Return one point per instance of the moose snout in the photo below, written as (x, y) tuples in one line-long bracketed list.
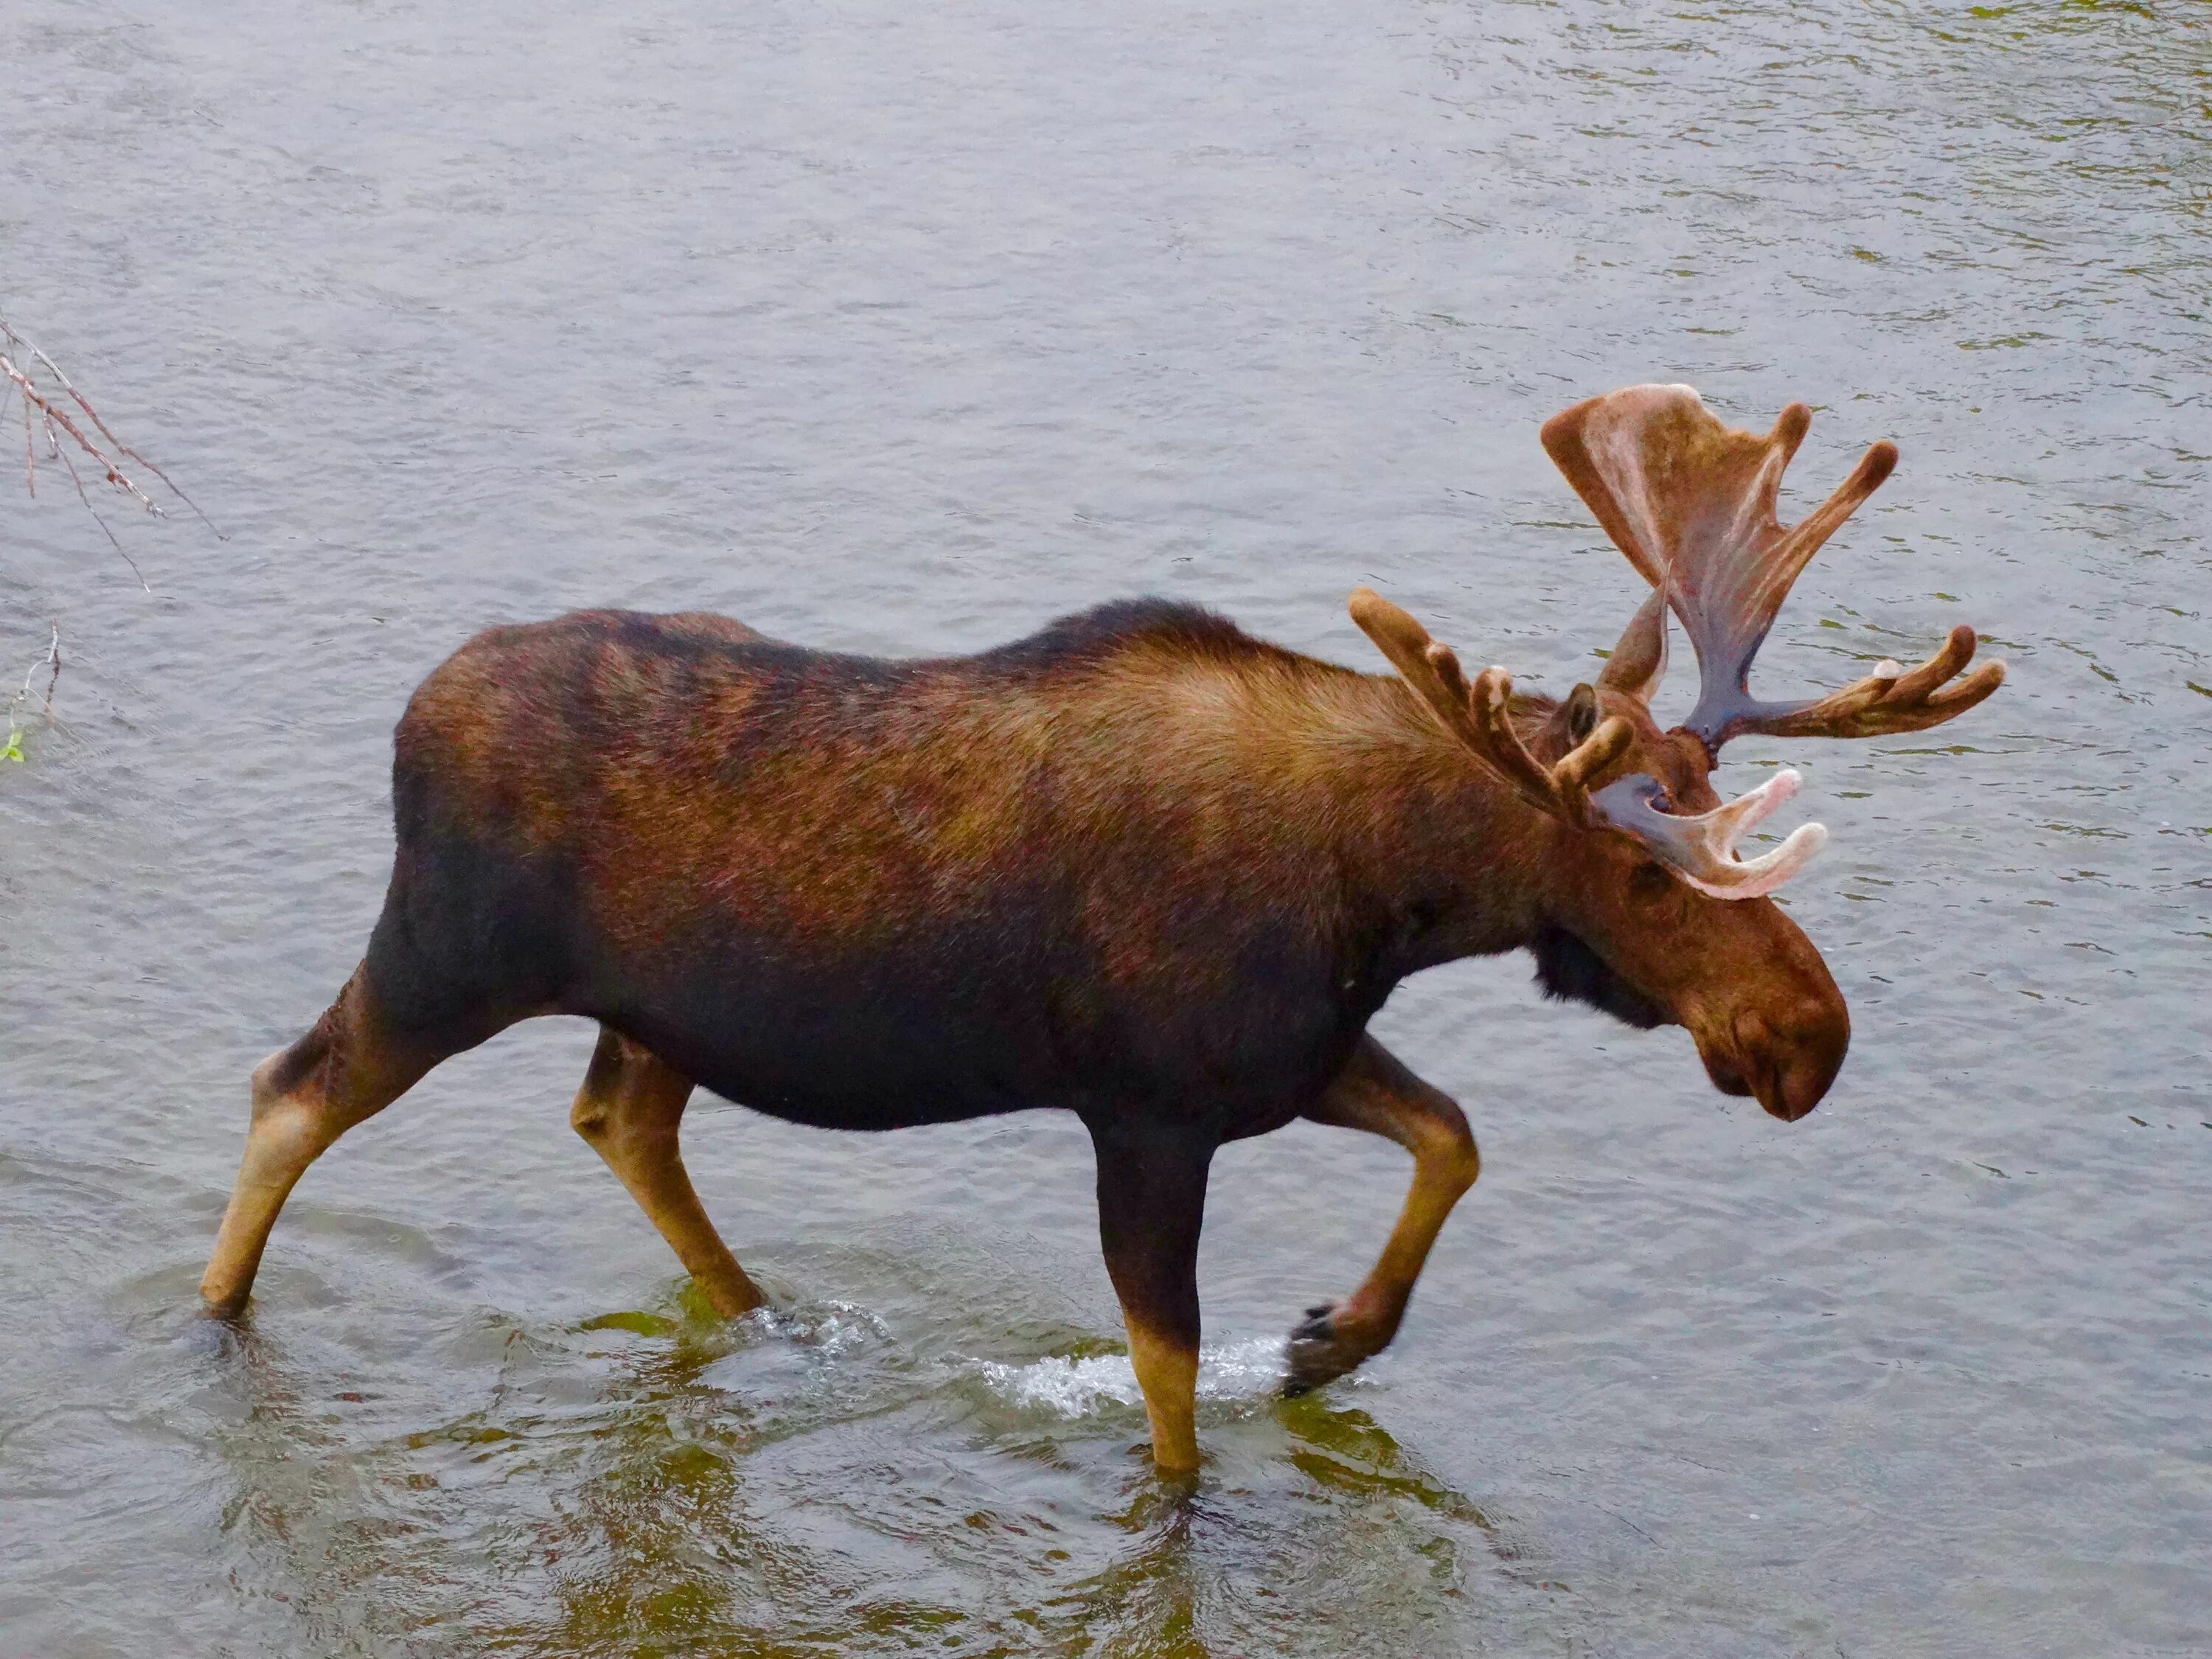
[(1787, 1064)]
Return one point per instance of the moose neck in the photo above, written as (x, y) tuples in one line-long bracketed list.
[(1439, 859)]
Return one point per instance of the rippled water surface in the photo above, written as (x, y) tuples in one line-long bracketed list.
[(904, 328)]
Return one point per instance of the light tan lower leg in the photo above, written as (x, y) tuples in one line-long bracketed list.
[(629, 1109), (345, 1070), (1375, 1093), (1167, 1371)]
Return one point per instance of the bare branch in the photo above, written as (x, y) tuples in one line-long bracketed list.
[(52, 417), (54, 660), (48, 407), (11, 745), (62, 456), (122, 449)]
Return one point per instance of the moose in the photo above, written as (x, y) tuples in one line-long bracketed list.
[(1139, 867)]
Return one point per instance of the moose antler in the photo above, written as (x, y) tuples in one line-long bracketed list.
[(1478, 715), (1561, 789), (1638, 662), (1701, 849), (1692, 504)]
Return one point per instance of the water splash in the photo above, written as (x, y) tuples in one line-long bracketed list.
[(832, 1329), (1076, 1387)]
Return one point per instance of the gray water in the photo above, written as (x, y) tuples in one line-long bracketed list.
[(903, 329)]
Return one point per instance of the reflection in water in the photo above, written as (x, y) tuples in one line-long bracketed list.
[(651, 1482)]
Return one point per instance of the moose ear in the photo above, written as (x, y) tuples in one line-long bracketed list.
[(1582, 714)]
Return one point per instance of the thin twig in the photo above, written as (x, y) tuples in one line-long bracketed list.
[(69, 386), (54, 658), (50, 659), (21, 362), (63, 457), (53, 418)]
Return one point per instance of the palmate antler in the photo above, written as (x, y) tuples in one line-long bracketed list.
[(1692, 503), (1699, 849)]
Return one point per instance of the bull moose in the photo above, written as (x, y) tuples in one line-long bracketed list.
[(1139, 865)]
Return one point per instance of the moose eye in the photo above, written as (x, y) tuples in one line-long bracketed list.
[(1662, 798)]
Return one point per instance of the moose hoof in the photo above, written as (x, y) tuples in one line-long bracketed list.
[(1330, 1340)]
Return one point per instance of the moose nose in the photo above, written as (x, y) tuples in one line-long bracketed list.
[(1798, 1088), (1790, 1071), (1787, 1064)]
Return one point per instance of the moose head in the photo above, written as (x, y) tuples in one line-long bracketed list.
[(1649, 913)]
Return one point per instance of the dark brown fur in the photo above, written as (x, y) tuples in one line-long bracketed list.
[(1139, 859)]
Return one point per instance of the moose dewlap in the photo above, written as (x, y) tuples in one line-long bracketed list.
[(1140, 866)]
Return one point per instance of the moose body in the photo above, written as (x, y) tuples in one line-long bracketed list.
[(864, 895), (1139, 867)]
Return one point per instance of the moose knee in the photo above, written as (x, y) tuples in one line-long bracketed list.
[(600, 1120), (591, 1119), (288, 1135), (629, 1100), (1447, 1145)]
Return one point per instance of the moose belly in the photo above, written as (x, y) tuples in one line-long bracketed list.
[(968, 1026)]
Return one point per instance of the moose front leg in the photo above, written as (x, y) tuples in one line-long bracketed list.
[(1152, 1203), (1375, 1093)]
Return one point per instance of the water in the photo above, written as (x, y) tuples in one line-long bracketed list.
[(903, 329)]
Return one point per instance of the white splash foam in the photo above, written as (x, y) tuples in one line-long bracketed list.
[(832, 1327), (1072, 1387), (1076, 1387)]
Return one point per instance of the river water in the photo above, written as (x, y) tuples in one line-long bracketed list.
[(903, 329)]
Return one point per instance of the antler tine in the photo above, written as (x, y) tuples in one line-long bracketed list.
[(1701, 850), (1560, 789), (1479, 714), (1638, 662), (1406, 644), (1815, 527), (1958, 651), (1591, 756), (1497, 742), (1884, 704), (1459, 695)]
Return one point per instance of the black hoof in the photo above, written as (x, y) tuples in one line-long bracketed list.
[(1319, 1353)]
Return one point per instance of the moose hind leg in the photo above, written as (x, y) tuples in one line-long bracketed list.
[(630, 1109), (350, 1066), (1152, 1203), (1375, 1093)]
